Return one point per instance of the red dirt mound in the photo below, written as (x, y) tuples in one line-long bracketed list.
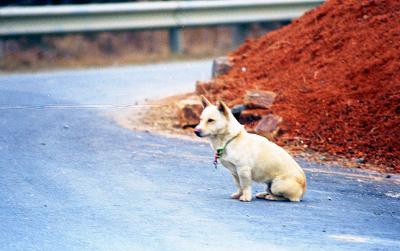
[(336, 71)]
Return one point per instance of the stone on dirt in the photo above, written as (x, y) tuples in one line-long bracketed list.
[(268, 126), (188, 112), (221, 66), (259, 99), (237, 110), (248, 116)]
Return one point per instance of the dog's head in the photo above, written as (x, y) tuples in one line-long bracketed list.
[(214, 119)]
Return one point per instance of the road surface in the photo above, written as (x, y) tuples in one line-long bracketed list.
[(72, 179)]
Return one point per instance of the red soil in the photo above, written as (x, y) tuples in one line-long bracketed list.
[(336, 71)]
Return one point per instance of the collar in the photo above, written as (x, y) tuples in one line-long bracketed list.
[(221, 150)]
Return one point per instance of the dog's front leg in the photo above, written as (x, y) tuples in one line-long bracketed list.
[(245, 183), (239, 192)]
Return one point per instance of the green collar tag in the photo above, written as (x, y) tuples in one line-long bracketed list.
[(221, 151)]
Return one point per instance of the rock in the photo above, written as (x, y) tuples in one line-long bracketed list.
[(237, 110), (188, 112), (259, 99), (268, 126), (221, 66), (248, 116)]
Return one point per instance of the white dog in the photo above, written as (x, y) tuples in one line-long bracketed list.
[(250, 157)]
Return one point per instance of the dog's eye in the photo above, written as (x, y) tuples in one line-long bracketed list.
[(210, 120)]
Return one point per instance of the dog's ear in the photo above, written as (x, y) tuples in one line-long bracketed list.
[(223, 108), (205, 101)]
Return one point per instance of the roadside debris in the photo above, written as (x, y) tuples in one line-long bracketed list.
[(336, 81), (221, 65), (188, 112), (268, 126), (259, 99)]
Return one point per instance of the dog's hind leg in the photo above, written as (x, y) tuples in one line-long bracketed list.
[(276, 193), (285, 189), (274, 197), (263, 194)]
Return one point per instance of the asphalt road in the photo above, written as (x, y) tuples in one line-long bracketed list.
[(72, 179)]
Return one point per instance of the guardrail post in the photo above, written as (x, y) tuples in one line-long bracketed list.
[(1, 48), (239, 34), (175, 40)]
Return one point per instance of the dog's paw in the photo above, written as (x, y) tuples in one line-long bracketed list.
[(273, 197), (261, 195), (245, 197), (236, 195)]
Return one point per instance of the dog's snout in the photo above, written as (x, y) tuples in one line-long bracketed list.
[(197, 131)]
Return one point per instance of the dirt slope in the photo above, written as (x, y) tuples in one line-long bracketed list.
[(336, 71)]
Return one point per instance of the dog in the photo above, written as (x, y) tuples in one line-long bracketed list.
[(250, 157)]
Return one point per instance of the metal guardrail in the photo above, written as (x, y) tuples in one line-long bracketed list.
[(146, 15)]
